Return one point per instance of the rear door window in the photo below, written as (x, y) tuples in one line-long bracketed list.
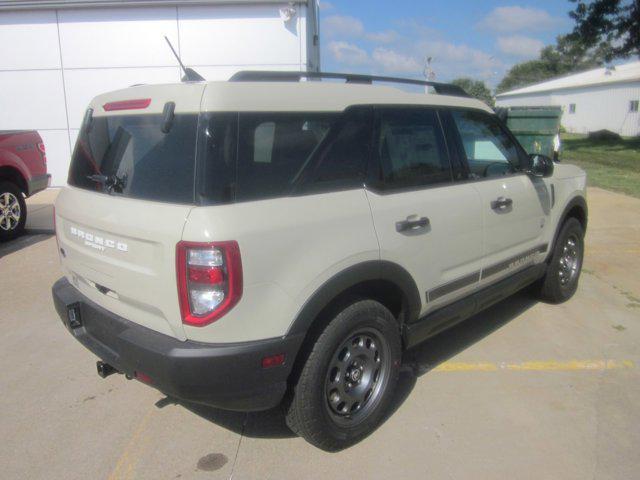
[(410, 149), (130, 156)]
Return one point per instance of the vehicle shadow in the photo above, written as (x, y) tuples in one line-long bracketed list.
[(417, 362), (436, 350), (39, 228), (30, 238), (266, 424)]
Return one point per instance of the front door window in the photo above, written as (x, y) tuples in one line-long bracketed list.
[(490, 152)]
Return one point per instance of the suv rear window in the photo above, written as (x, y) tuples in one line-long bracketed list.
[(255, 155), (273, 148), (130, 156)]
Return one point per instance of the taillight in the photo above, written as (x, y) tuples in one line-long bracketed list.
[(209, 280), (43, 152)]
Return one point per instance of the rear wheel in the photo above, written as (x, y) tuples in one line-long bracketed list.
[(347, 381), (563, 272), (13, 211)]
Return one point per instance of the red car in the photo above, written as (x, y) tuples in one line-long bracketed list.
[(23, 172)]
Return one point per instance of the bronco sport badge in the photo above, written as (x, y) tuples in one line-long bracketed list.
[(98, 242)]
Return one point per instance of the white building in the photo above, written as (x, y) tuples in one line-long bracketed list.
[(57, 55), (604, 98)]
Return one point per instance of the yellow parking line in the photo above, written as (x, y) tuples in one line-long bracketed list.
[(129, 458), (466, 367), (609, 250), (539, 366)]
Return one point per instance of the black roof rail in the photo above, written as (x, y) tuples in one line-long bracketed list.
[(282, 76)]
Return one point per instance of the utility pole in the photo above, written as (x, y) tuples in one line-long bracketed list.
[(429, 74)]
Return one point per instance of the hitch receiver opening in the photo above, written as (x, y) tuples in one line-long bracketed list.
[(104, 369)]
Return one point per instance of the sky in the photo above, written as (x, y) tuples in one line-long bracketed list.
[(480, 39)]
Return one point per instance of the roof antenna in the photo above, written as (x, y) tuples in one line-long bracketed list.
[(190, 75)]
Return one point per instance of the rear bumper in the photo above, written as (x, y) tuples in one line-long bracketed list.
[(38, 183), (228, 376)]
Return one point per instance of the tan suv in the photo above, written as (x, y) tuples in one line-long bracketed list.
[(269, 241)]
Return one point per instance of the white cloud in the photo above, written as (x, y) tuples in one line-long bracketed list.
[(517, 19), (520, 46), (388, 36), (403, 51), (342, 25), (451, 60), (325, 6), (392, 61), (348, 53)]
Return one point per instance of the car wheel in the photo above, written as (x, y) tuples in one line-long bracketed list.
[(347, 382), (561, 279), (13, 211)]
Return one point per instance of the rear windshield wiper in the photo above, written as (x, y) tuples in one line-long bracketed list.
[(111, 183)]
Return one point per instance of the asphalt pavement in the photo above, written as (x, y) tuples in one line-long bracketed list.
[(524, 390)]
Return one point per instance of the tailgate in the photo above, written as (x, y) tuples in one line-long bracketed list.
[(120, 252), (131, 189)]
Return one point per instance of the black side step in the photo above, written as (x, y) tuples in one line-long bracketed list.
[(446, 317)]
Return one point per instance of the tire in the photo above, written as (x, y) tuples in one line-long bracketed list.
[(13, 211), (346, 384), (561, 279)]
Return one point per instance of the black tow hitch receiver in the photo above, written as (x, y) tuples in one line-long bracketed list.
[(104, 369)]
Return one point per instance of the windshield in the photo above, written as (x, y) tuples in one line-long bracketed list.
[(130, 156)]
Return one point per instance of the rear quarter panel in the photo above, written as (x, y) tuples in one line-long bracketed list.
[(289, 247)]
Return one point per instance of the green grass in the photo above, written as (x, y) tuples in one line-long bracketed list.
[(613, 165)]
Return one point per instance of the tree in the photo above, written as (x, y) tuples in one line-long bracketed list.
[(611, 26), (604, 30), (566, 57), (475, 88)]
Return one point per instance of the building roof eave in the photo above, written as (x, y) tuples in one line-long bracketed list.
[(517, 93), (69, 4)]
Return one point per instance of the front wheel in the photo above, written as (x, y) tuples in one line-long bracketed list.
[(13, 211), (347, 382), (561, 280)]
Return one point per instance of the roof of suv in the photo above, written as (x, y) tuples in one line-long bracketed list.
[(274, 96)]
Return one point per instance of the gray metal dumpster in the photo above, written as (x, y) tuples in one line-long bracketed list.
[(534, 127)]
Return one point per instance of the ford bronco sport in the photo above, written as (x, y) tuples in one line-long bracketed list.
[(268, 241)]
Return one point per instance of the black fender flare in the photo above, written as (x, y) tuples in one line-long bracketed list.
[(351, 276), (578, 201)]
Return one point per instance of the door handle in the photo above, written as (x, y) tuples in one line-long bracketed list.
[(501, 203), (412, 222)]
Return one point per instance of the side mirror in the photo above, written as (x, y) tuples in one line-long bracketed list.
[(540, 165)]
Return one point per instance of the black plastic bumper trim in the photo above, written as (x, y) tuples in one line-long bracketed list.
[(228, 376)]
